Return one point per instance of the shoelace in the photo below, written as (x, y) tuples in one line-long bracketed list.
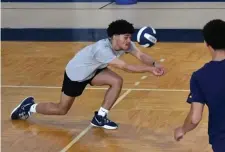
[(24, 115), (106, 120)]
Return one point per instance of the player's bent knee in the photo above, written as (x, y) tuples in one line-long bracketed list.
[(65, 104), (116, 81), (63, 111)]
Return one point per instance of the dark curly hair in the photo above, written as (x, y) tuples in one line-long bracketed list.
[(120, 27), (214, 34)]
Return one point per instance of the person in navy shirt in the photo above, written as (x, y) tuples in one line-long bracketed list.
[(207, 87)]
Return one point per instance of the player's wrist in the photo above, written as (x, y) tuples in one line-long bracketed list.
[(151, 69), (153, 63), (183, 130)]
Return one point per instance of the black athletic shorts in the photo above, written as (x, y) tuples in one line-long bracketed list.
[(75, 88)]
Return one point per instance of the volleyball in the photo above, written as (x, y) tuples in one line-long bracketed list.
[(147, 37)]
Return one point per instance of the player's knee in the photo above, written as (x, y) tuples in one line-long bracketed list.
[(65, 104), (63, 110), (117, 81)]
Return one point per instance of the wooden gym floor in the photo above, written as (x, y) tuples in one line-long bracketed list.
[(148, 110)]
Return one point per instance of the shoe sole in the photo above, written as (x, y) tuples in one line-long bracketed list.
[(18, 106), (105, 127)]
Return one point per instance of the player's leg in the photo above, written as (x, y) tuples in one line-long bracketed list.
[(115, 82), (70, 90), (28, 106), (50, 108)]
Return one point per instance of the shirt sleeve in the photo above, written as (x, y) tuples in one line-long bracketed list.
[(104, 55), (195, 94)]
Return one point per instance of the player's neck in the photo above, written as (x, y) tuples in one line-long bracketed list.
[(218, 55)]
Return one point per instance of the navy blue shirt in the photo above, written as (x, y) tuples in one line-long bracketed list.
[(207, 86)]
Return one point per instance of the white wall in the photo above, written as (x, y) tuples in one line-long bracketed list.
[(88, 15)]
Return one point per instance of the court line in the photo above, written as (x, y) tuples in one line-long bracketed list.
[(76, 139), (122, 97), (162, 60), (90, 126), (100, 88), (144, 77), (136, 83)]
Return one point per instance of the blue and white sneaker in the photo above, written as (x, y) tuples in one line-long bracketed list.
[(22, 111), (104, 122)]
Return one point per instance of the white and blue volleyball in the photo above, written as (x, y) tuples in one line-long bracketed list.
[(146, 36)]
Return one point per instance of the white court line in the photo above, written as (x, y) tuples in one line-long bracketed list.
[(93, 88), (162, 60), (121, 97), (144, 77), (41, 87), (136, 83), (76, 139), (90, 126)]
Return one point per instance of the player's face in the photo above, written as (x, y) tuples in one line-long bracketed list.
[(124, 41)]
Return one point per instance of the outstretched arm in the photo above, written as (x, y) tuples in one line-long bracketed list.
[(134, 68), (143, 57), (146, 59)]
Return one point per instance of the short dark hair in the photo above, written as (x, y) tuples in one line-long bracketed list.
[(120, 27), (214, 34)]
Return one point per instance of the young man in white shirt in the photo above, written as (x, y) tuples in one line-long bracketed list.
[(89, 66)]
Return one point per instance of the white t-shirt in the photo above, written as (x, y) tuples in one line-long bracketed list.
[(95, 56)]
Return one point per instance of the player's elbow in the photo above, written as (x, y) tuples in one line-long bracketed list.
[(122, 66), (195, 119), (142, 56), (118, 64), (125, 67)]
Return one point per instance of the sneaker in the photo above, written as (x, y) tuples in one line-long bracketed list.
[(22, 111), (104, 122)]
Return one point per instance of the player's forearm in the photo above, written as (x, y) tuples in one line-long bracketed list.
[(146, 59), (137, 68), (189, 124)]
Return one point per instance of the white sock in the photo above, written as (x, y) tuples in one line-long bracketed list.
[(102, 112), (33, 108)]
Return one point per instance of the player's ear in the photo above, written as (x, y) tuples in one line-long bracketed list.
[(210, 48), (114, 36), (206, 44)]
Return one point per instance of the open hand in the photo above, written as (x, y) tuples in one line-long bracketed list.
[(158, 71), (159, 66)]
